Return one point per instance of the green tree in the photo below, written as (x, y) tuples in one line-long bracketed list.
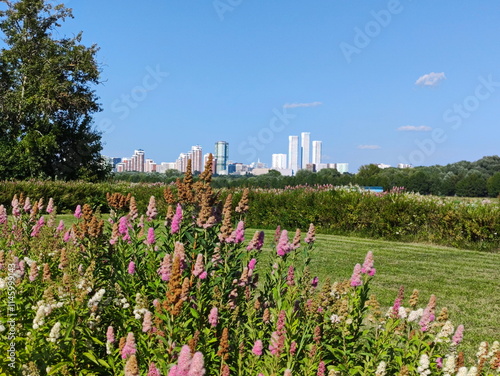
[(46, 97), (472, 185), (493, 185)]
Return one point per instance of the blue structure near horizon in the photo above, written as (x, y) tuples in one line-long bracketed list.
[(374, 189)]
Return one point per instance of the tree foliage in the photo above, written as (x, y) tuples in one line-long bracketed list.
[(46, 96)]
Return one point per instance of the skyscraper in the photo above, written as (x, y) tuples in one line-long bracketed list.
[(305, 148), (293, 153), (279, 161), (197, 156), (221, 154), (316, 152)]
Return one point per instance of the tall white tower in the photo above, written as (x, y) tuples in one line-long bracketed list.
[(279, 161), (316, 152), (305, 147), (293, 153)]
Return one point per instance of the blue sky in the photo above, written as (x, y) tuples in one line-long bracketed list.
[(377, 81)]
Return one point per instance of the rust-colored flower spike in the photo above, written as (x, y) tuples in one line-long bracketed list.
[(374, 305), (414, 299), (95, 227), (266, 316), (21, 199), (174, 288), (63, 259), (206, 175), (87, 213), (460, 361), (226, 228), (193, 342), (188, 176), (224, 345), (443, 315), (186, 285), (2, 257), (118, 201), (243, 204), (34, 212), (168, 195), (404, 371), (296, 239), (205, 210), (121, 345), (495, 360), (133, 212), (46, 272), (131, 367)]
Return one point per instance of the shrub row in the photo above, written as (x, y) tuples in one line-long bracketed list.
[(393, 215)]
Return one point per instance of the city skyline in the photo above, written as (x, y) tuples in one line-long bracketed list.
[(379, 82)]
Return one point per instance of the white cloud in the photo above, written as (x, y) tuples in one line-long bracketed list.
[(295, 105), (415, 128), (370, 147), (430, 79)]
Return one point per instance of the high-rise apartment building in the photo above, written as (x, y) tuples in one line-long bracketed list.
[(293, 153), (316, 152), (197, 158), (222, 155), (139, 160), (305, 149), (279, 161)]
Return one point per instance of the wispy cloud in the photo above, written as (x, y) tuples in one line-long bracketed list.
[(415, 128), (430, 79), (370, 147), (295, 105)]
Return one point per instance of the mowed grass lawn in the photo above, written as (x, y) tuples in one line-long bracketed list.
[(466, 282)]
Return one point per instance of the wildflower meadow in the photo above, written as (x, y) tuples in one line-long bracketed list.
[(186, 292)]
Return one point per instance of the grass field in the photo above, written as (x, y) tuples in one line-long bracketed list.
[(466, 282)]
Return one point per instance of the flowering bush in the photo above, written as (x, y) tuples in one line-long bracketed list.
[(188, 294)]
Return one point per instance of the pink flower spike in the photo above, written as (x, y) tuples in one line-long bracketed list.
[(203, 275), (129, 348), (110, 335), (153, 371), (3, 215), (257, 348), (151, 236), (251, 264), (458, 336), (198, 266), (368, 264), (184, 361), (356, 276), (27, 205), (213, 317), (67, 236), (61, 226), (78, 212), (50, 206), (176, 220), (197, 364), (131, 267), (240, 233), (151, 213), (283, 245)]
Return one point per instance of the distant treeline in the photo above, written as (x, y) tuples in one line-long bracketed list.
[(465, 179)]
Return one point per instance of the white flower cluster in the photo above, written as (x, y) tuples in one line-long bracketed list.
[(139, 309), (415, 315), (96, 298), (381, 369), (445, 333), (54, 332), (423, 365), (449, 365), (3, 284), (42, 311), (83, 285)]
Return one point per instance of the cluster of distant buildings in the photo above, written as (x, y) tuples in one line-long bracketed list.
[(305, 155)]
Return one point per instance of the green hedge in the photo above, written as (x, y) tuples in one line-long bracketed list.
[(393, 216)]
